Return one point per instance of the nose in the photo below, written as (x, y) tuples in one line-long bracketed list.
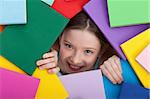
[(76, 58)]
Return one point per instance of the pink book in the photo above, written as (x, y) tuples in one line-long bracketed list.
[(144, 58), (17, 86)]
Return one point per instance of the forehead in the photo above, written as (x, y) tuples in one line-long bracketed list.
[(82, 38)]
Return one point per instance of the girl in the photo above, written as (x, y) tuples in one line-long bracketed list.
[(80, 47)]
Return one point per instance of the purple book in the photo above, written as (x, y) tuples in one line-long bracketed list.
[(97, 10), (84, 85)]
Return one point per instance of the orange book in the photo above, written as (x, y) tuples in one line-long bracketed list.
[(1, 28)]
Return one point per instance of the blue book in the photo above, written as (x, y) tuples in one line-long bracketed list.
[(112, 91), (131, 91), (12, 12)]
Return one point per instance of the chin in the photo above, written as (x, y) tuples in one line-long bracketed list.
[(71, 72)]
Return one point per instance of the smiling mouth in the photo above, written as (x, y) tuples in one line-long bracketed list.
[(74, 68)]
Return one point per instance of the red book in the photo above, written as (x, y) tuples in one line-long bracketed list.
[(69, 8)]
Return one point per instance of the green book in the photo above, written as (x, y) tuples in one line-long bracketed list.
[(128, 12), (23, 45)]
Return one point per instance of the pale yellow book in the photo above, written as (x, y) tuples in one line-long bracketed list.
[(4, 63)]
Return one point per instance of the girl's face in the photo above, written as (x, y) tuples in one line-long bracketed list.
[(78, 51)]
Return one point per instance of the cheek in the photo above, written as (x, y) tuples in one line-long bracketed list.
[(90, 62)]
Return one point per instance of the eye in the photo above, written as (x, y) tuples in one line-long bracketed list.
[(68, 45), (88, 52)]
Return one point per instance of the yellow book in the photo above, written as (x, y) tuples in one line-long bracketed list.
[(4, 63), (50, 86), (132, 48)]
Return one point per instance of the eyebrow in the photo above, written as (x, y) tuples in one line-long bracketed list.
[(89, 48), (67, 42)]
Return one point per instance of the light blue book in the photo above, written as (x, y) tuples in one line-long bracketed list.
[(13, 12)]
